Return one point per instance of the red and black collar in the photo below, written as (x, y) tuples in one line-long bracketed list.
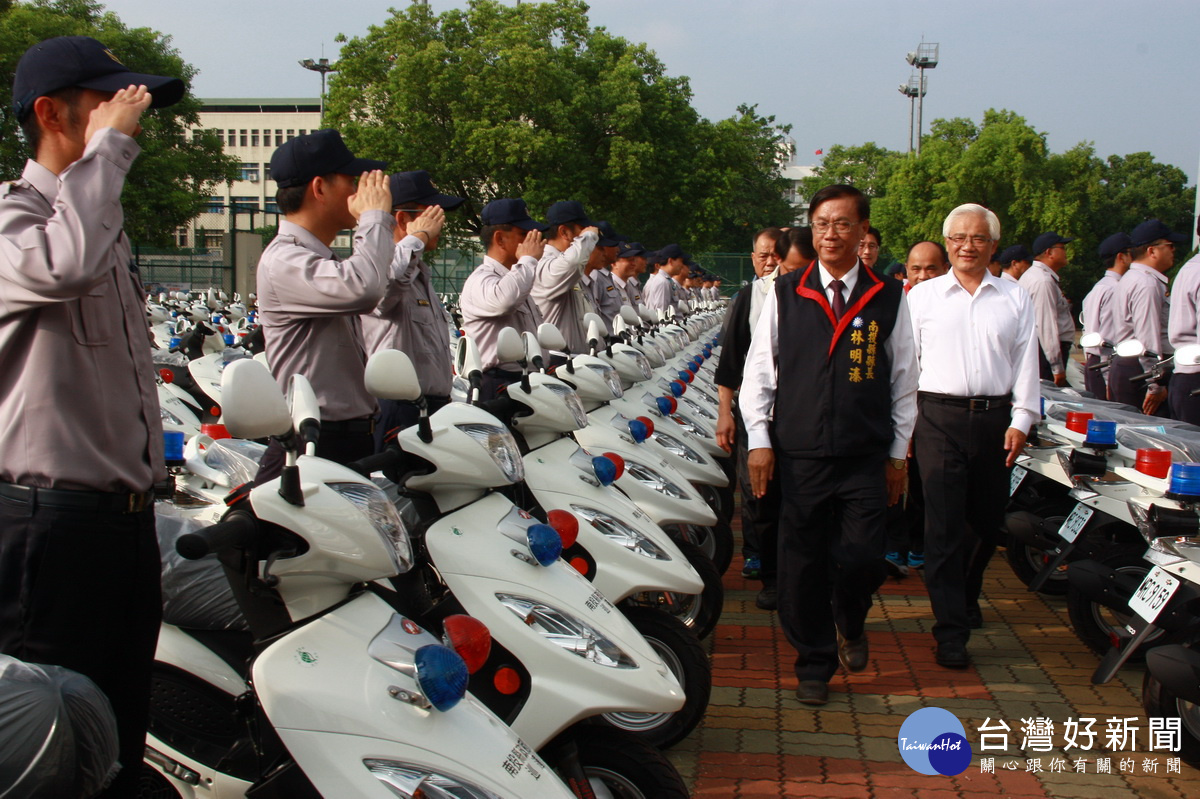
[(839, 325)]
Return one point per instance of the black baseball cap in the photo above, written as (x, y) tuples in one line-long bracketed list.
[(1117, 242), (1016, 252), (82, 61), (1153, 230), (654, 258), (321, 152), (671, 251), (416, 188), (567, 212), (631, 249), (895, 268), (508, 212), (608, 236), (1048, 240)]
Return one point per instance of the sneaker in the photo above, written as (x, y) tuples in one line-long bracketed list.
[(895, 565), (752, 570), (916, 560)]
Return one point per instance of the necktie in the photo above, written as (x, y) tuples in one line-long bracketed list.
[(839, 303)]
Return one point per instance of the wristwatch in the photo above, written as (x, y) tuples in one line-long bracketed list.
[(899, 464)]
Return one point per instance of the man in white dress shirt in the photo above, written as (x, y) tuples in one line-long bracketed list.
[(978, 396), (834, 341)]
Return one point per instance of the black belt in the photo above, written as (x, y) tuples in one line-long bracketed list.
[(502, 374), (970, 403), (349, 426), (91, 501)]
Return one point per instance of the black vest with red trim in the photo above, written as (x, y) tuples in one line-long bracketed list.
[(834, 396)]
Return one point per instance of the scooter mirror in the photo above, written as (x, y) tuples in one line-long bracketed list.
[(589, 318), (466, 357), (252, 404), (1131, 348), (595, 332), (549, 337), (619, 326), (630, 315), (303, 402), (510, 346), (390, 375), (533, 351), (647, 314), (1091, 340), (1188, 355)]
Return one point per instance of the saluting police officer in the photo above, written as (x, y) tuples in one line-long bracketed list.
[(570, 239), (606, 297), (309, 300), (410, 317), (81, 445)]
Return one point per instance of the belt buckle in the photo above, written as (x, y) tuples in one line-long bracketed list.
[(974, 404), (135, 503)]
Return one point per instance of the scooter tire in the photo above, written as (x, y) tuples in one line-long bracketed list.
[(683, 655), (701, 612), (1093, 622), (153, 785), (1160, 702), (625, 767), (715, 542), (1026, 561), (720, 499)]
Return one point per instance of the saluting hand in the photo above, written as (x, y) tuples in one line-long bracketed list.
[(429, 222), (373, 194), (121, 112), (533, 245)]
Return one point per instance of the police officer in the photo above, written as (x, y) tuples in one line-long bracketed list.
[(498, 293), (309, 300), (1056, 328), (1098, 310), (1184, 325), (657, 294), (606, 297), (81, 445), (570, 238), (631, 261), (410, 317)]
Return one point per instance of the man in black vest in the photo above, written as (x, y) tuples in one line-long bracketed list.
[(835, 340)]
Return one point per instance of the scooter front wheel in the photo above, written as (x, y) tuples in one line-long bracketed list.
[(683, 655), (1097, 624), (699, 612), (715, 542), (619, 766), (1160, 702)]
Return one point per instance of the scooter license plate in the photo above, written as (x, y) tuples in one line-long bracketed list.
[(1073, 526), (1018, 477), (1154, 592)]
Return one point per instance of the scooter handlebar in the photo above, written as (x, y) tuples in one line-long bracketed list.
[(377, 462), (236, 530)]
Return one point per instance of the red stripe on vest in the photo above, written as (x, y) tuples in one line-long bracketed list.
[(819, 297)]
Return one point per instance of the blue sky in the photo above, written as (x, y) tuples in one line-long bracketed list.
[(1120, 74)]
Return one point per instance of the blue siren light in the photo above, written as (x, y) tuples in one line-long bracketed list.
[(677, 388), (545, 544), (664, 405), (1101, 434), (173, 446), (638, 429), (441, 675), (606, 470), (1185, 480)]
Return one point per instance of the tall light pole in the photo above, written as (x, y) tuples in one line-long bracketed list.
[(323, 66), (923, 58), (912, 90)]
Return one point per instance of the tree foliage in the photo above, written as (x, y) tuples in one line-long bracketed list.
[(175, 172), (530, 101), (1004, 164)]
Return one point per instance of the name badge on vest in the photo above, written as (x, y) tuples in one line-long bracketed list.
[(608, 288), (423, 302), (864, 349)]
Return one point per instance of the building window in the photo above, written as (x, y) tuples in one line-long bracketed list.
[(254, 138), (278, 137), (245, 203), (232, 140), (271, 208), (243, 138), (304, 133), (213, 240), (181, 236), (249, 172), (215, 205), (291, 134)]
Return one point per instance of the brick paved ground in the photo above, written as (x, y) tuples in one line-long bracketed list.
[(758, 741)]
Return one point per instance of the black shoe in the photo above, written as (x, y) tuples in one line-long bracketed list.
[(853, 654), (812, 692), (768, 598), (953, 655), (974, 617)]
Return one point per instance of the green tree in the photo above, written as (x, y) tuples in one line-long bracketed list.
[(530, 101), (867, 167), (176, 170)]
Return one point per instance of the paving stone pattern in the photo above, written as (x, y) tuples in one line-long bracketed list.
[(758, 741)]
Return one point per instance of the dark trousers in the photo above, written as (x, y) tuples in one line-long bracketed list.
[(1096, 380), (335, 445), (760, 517), (493, 380), (961, 455), (831, 530), (1044, 365), (81, 590), (396, 415), (1184, 406), (906, 519), (1120, 389)]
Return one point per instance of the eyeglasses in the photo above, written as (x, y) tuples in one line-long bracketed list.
[(1170, 244), (866, 245), (840, 226), (959, 239)]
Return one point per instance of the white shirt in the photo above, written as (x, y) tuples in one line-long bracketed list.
[(1051, 312), (981, 345), (657, 294), (1098, 313), (760, 378), (1184, 323), (759, 289)]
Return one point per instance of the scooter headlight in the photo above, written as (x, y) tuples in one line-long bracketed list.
[(699, 409), (642, 362), (570, 398), (678, 448), (690, 426), (501, 446), (412, 781), (648, 477), (571, 633), (622, 533), (376, 506), (609, 375)]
